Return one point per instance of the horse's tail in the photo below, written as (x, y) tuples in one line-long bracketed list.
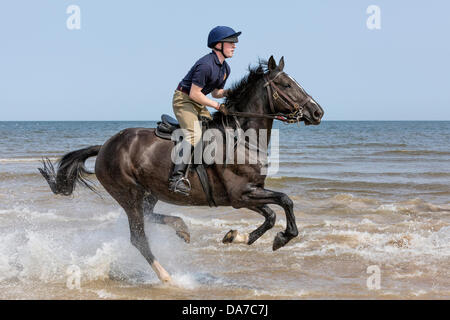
[(71, 170)]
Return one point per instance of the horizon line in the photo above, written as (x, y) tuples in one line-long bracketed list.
[(160, 120)]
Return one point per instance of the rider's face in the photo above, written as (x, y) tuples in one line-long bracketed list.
[(228, 48)]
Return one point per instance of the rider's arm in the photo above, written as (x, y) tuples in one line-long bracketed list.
[(219, 93), (197, 95)]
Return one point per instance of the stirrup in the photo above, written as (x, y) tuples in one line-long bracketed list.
[(175, 189)]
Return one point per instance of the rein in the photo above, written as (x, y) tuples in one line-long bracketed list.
[(276, 95)]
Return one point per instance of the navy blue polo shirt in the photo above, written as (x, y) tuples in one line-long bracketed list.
[(207, 73)]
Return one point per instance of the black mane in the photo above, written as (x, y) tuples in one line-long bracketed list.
[(241, 91)]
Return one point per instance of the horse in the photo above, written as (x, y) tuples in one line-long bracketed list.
[(134, 165)]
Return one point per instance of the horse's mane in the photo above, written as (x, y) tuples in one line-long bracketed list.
[(241, 91)]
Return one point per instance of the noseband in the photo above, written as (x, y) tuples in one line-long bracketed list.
[(276, 95)]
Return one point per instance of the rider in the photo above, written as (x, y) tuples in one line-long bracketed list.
[(208, 75)]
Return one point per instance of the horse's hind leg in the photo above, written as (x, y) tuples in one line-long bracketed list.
[(132, 203), (233, 236), (176, 223)]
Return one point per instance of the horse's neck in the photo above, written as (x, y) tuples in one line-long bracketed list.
[(257, 105)]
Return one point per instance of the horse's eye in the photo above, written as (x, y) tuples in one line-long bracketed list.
[(287, 85)]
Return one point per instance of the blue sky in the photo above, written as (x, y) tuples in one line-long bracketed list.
[(128, 56)]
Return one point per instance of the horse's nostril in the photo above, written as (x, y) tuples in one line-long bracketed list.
[(317, 114)]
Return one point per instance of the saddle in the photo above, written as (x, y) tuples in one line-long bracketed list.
[(166, 126), (164, 130)]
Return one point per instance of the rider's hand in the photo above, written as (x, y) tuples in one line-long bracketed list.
[(223, 109)]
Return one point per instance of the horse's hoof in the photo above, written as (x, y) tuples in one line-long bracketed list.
[(167, 280), (162, 274), (280, 240), (184, 235), (230, 236)]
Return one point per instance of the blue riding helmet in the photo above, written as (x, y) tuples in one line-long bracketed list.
[(222, 33)]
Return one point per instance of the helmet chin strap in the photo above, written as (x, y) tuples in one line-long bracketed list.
[(221, 50)]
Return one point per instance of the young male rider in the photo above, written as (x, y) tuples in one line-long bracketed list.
[(208, 75)]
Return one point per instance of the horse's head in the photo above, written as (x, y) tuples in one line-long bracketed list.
[(288, 99)]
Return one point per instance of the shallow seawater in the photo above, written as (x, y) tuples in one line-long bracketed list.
[(365, 194)]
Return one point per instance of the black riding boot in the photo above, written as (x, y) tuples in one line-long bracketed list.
[(178, 181)]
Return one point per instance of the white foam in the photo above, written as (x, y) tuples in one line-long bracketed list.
[(40, 258), (381, 247), (185, 281), (103, 294), (110, 216), (419, 293), (387, 207), (7, 257), (281, 292), (37, 250), (415, 274), (220, 223), (98, 266), (413, 205), (336, 223), (367, 221), (52, 215)]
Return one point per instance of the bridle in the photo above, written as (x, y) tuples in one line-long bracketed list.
[(276, 95)]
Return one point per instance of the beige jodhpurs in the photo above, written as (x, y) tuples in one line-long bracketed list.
[(187, 112)]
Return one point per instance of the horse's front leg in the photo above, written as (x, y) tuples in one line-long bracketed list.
[(259, 197), (233, 236)]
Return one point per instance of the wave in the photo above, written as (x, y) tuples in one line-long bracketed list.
[(33, 216), (437, 174), (291, 179), (412, 153), (416, 206), (13, 160), (382, 246), (355, 185), (4, 176), (304, 163), (351, 145), (416, 174), (16, 176), (351, 204)]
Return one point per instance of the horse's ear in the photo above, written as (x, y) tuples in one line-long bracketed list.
[(271, 63), (281, 64)]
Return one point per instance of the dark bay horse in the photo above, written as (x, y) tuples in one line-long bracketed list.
[(134, 165)]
